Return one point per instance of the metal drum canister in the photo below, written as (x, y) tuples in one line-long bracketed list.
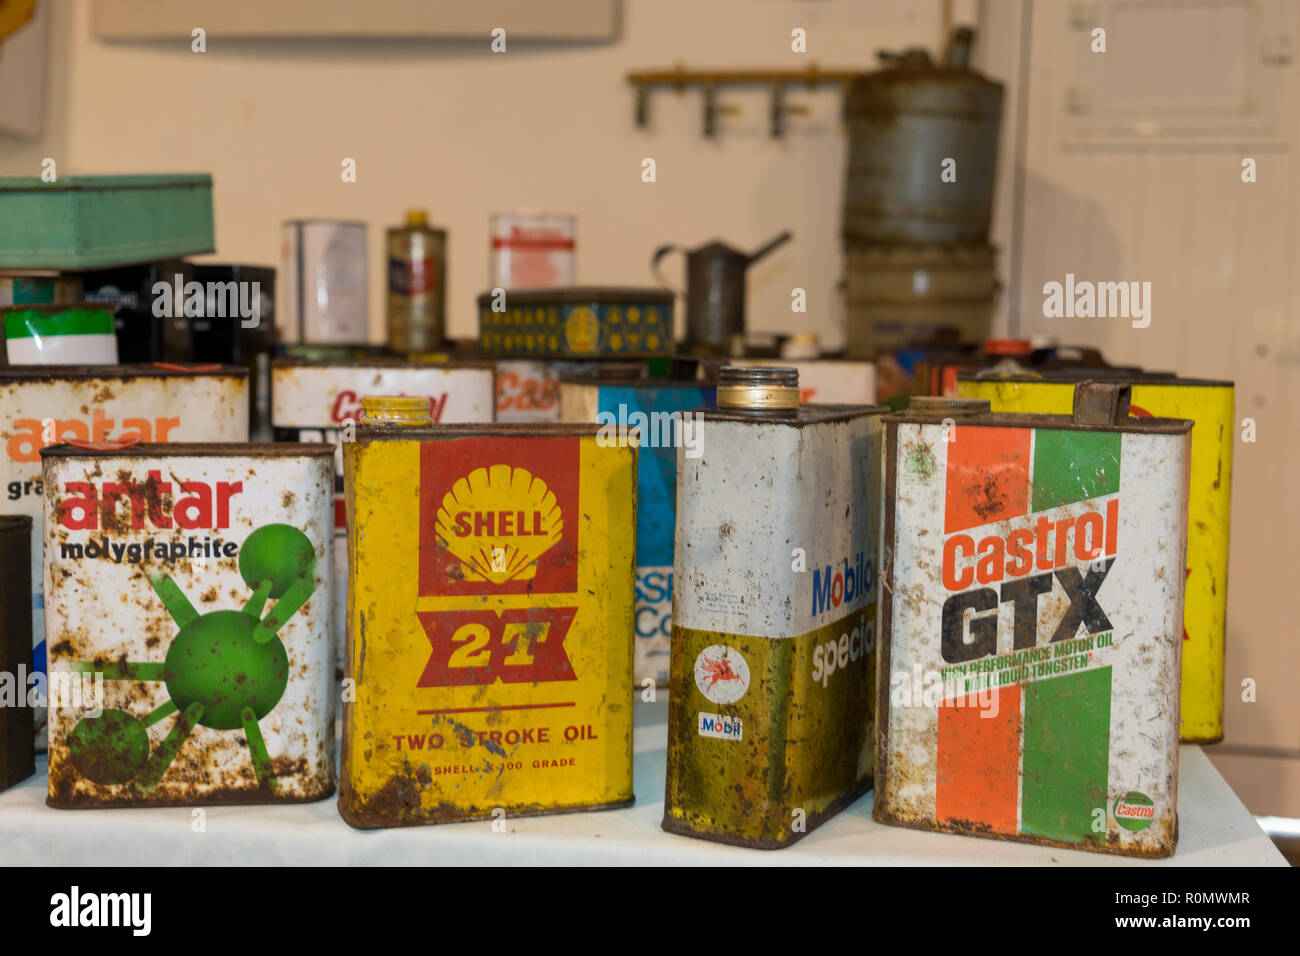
[(315, 400), (904, 123), (1210, 405), (1031, 623), (17, 750), (906, 296), (490, 620), (45, 405), (772, 701), (187, 615), (667, 415)]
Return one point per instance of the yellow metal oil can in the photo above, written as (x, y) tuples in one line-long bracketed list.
[(1210, 405), (772, 673), (490, 624), (1031, 617)]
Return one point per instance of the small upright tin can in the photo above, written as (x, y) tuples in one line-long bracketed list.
[(667, 415), (1031, 623), (187, 616), (1210, 405), (324, 282), (489, 619), (17, 748), (417, 285), (772, 680)]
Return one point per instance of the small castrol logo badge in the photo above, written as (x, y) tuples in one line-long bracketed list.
[(721, 674), (1136, 811)]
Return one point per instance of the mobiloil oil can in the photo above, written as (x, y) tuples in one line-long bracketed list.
[(1031, 623), (1210, 405), (665, 417), (771, 708), (489, 619), (187, 615)]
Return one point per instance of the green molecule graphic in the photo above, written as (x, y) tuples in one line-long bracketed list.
[(224, 670)]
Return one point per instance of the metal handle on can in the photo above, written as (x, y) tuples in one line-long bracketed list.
[(654, 266), (1101, 403)]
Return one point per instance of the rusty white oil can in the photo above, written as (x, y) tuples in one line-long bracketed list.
[(187, 616), (314, 401), (42, 406), (771, 709), (1031, 623)]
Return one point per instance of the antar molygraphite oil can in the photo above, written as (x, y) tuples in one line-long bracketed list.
[(1031, 623), (17, 750), (489, 619), (1210, 405), (666, 415), (315, 401), (42, 406), (770, 728), (187, 615)]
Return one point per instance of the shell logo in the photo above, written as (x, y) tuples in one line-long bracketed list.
[(581, 330), (498, 521)]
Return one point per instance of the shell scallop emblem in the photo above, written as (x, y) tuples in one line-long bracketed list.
[(498, 521)]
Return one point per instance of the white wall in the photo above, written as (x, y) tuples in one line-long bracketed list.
[(1221, 257), (465, 133)]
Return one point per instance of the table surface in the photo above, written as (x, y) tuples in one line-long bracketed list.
[(1214, 829)]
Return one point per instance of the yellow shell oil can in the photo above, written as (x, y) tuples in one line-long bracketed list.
[(490, 621), (772, 674), (1031, 623), (187, 615), (45, 405), (1210, 405)]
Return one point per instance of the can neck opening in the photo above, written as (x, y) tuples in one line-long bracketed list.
[(395, 410), (762, 389)]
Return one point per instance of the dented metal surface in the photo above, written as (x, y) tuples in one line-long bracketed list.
[(1210, 405), (771, 714), (1031, 618), (43, 405), (314, 401), (188, 605), (489, 623)]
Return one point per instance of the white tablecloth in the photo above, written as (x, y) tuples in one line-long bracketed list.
[(1215, 829)]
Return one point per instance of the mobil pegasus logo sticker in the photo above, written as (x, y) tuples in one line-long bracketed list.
[(499, 515)]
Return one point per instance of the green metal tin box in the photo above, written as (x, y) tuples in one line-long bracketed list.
[(87, 222)]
